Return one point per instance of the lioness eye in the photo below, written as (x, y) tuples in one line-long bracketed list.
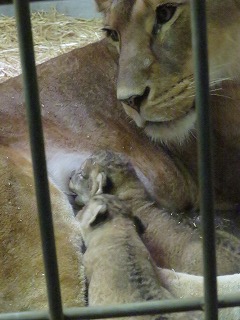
[(111, 34), (165, 12)]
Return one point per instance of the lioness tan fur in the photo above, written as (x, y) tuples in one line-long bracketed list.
[(146, 62)]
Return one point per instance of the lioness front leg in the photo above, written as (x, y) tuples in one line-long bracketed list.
[(173, 243)]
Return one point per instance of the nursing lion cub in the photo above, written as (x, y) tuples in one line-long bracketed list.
[(131, 93)]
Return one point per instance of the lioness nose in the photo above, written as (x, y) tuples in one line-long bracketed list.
[(135, 101)]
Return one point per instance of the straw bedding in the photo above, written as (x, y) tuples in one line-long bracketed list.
[(53, 33)]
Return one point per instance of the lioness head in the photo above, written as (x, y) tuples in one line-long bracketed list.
[(155, 76)]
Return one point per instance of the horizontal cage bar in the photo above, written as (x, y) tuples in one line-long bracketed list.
[(143, 308)]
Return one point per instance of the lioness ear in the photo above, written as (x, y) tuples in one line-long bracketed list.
[(102, 5)]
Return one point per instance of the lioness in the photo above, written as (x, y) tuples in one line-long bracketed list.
[(144, 66)]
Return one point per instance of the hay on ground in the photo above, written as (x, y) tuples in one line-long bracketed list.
[(53, 33)]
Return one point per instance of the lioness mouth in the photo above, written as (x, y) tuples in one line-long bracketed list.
[(175, 130), (172, 121)]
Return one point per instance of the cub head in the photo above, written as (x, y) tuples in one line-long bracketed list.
[(99, 211), (106, 209), (155, 73)]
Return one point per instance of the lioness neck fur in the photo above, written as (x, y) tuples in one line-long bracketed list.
[(81, 114)]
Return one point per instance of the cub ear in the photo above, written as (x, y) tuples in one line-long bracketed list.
[(99, 214), (102, 5)]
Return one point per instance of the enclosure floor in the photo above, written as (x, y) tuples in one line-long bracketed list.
[(54, 34)]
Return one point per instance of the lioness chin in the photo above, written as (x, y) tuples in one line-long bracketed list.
[(144, 69)]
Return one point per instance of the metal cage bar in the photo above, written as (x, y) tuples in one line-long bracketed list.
[(205, 162), (38, 157), (210, 302)]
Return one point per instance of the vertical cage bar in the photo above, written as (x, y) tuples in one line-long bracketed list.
[(38, 157), (199, 41)]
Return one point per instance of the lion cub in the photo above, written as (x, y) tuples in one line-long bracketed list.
[(173, 241), (117, 264)]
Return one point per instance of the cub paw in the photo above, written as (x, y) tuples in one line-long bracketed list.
[(87, 181)]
